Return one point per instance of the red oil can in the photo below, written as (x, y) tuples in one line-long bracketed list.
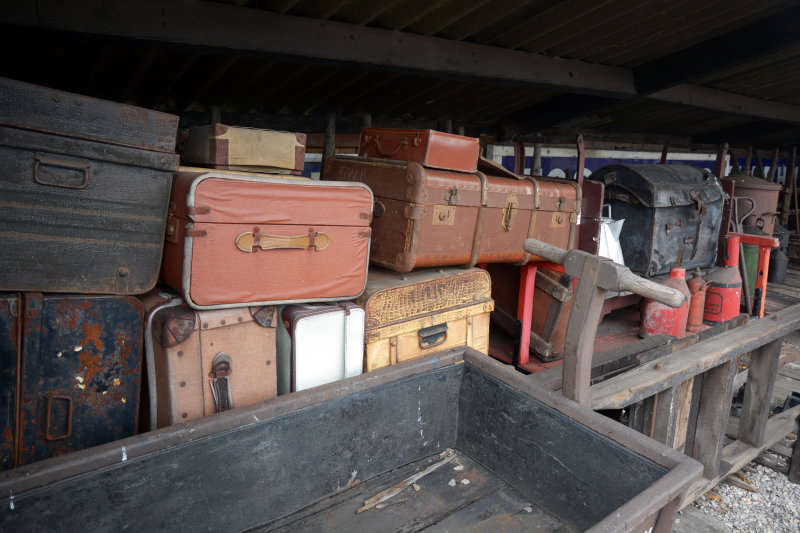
[(725, 286), (697, 288), (658, 318)]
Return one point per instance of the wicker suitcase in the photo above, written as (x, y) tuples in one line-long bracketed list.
[(427, 217), (250, 149), (236, 240), (84, 186), (69, 373), (204, 362), (318, 344), (425, 311)]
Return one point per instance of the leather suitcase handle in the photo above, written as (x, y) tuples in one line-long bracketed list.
[(404, 143), (313, 240)]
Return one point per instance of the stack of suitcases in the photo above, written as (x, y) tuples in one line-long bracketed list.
[(265, 284)]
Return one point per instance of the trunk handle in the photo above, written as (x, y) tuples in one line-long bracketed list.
[(51, 398), (81, 166), (313, 240), (432, 336)]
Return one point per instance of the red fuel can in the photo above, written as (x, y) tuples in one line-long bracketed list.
[(725, 286), (658, 318), (697, 288)]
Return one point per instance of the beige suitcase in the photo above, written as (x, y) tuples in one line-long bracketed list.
[(203, 362), (424, 311), (250, 149)]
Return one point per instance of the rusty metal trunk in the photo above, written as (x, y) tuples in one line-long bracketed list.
[(70, 373)]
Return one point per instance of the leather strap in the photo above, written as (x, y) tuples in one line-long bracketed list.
[(532, 225), (476, 237), (220, 381), (314, 240)]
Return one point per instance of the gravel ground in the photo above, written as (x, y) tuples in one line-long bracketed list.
[(775, 508)]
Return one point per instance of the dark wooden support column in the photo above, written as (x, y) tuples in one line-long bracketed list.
[(758, 392), (712, 416)]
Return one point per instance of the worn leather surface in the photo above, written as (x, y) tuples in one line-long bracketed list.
[(430, 148)]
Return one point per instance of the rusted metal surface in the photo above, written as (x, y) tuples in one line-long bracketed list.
[(77, 366)]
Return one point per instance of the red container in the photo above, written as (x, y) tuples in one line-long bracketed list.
[(697, 288), (725, 286), (658, 318)]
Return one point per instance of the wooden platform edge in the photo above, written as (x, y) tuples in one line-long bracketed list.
[(737, 454)]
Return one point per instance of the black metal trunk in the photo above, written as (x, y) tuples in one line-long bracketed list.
[(69, 371), (672, 214), (84, 187)]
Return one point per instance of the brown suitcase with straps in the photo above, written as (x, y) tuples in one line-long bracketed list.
[(429, 217)]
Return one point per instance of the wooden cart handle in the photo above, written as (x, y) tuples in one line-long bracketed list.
[(617, 277), (313, 240)]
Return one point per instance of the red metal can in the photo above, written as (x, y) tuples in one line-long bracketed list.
[(725, 286), (697, 288), (658, 318)]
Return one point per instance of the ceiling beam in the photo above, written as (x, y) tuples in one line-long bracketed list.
[(239, 30), (246, 31), (760, 38)]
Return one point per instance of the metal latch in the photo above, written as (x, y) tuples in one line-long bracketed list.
[(432, 336), (451, 197), (560, 203)]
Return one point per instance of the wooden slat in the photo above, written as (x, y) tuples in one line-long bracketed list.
[(675, 368), (712, 416), (758, 392)]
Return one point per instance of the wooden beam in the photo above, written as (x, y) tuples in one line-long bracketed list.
[(757, 39), (246, 31), (239, 30), (758, 392), (670, 370), (712, 416)]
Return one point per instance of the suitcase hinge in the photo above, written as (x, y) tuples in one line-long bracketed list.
[(220, 381)]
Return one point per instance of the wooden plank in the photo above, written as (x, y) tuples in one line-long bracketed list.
[(693, 520), (794, 463), (675, 368), (737, 454), (666, 414), (712, 416), (758, 392), (246, 31), (761, 37), (791, 371)]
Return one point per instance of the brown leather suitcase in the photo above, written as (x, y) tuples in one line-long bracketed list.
[(235, 240), (250, 149), (425, 311), (552, 302), (428, 217), (430, 148), (204, 362)]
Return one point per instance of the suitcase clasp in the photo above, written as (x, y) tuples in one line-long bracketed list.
[(432, 336), (510, 211), (451, 197)]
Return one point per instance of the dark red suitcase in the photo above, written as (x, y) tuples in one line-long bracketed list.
[(69, 372), (430, 148)]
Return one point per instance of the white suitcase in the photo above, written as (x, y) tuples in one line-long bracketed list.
[(318, 344)]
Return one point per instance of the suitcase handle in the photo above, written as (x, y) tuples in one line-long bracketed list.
[(313, 240), (432, 336), (80, 166), (52, 398), (404, 143)]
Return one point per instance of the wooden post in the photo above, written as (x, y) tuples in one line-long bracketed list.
[(773, 166), (788, 188), (665, 152), (722, 155), (747, 160), (712, 416), (672, 415), (367, 120), (216, 114), (794, 465), (587, 307), (330, 142), (758, 393)]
